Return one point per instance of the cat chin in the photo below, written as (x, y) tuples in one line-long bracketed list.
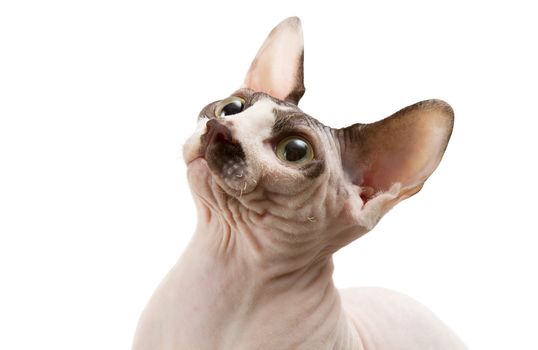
[(202, 178)]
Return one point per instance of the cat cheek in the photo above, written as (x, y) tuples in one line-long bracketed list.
[(191, 149)]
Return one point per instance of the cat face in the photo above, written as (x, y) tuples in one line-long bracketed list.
[(258, 150), (252, 139)]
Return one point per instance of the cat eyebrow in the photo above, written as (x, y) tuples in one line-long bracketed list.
[(208, 111), (288, 122)]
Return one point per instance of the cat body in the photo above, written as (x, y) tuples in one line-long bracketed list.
[(277, 193)]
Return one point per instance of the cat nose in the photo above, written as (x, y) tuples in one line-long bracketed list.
[(217, 132)]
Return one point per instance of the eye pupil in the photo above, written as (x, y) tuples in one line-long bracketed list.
[(295, 150), (231, 108)]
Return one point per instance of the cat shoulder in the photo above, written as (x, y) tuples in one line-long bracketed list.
[(385, 319)]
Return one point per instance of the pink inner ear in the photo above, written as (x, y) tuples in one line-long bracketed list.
[(277, 67), (406, 159), (404, 148), (276, 80)]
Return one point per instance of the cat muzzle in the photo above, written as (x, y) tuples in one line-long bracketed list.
[(221, 150)]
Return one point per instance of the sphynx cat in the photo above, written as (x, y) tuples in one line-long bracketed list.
[(277, 193)]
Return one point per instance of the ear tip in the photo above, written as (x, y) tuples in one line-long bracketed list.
[(293, 20), (441, 108), (436, 104), (444, 106), (293, 24)]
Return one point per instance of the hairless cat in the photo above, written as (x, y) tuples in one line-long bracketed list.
[(277, 193)]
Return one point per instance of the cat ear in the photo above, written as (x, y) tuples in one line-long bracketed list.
[(277, 68), (397, 154)]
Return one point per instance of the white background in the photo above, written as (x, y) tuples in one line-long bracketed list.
[(96, 99)]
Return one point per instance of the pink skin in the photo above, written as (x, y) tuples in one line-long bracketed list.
[(257, 273)]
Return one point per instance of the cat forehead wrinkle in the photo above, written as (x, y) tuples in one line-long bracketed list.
[(292, 118), (287, 121)]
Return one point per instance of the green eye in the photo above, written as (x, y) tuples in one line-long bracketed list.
[(294, 150), (230, 106)]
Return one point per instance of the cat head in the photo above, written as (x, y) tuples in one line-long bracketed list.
[(257, 152)]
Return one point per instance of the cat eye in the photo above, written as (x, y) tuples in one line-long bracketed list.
[(295, 150), (229, 106)]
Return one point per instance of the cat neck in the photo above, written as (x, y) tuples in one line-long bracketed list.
[(227, 298), (247, 301)]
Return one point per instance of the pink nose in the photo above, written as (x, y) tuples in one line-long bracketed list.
[(217, 132)]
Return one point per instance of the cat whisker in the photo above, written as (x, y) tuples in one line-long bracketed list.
[(243, 189)]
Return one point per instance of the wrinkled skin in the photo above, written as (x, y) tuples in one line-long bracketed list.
[(257, 273)]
